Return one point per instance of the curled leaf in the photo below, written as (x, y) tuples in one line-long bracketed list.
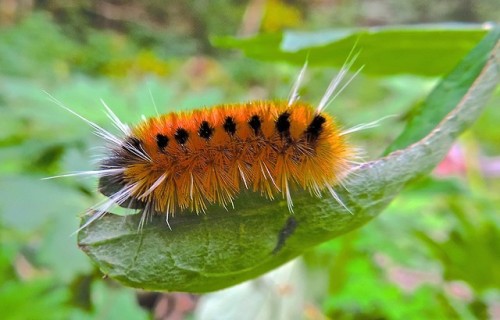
[(222, 248)]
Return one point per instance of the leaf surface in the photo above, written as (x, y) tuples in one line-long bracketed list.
[(222, 248)]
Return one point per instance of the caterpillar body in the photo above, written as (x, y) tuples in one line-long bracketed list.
[(186, 161)]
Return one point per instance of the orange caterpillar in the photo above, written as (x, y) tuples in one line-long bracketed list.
[(185, 161), (206, 156)]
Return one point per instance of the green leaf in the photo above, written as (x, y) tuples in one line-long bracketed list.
[(442, 99), (222, 248), (22, 300), (431, 50), (470, 250), (24, 194)]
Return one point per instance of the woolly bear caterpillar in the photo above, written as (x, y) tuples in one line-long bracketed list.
[(186, 161)]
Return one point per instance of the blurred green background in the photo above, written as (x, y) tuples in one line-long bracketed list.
[(434, 253)]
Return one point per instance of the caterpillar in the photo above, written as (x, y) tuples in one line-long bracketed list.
[(186, 161)]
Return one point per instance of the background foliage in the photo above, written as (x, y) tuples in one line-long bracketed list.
[(431, 254)]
